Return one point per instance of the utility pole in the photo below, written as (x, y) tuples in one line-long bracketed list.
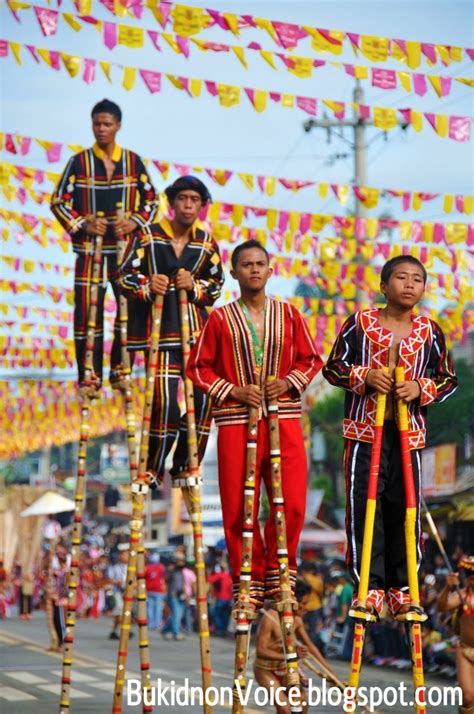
[(358, 146)]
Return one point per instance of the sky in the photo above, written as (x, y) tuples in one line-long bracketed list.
[(39, 102)]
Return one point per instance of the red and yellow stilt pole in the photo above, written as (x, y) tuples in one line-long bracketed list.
[(415, 616), (88, 393), (191, 488), (360, 612), (286, 604), (244, 610)]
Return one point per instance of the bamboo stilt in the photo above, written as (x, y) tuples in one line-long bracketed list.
[(89, 392), (244, 611), (191, 488), (136, 542), (286, 604)]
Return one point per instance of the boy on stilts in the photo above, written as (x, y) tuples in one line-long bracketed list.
[(370, 345)]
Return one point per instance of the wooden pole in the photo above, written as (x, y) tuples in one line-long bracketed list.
[(191, 486), (136, 539), (286, 604), (88, 393), (244, 610)]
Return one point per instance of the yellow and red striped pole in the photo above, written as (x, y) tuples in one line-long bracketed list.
[(415, 616), (360, 613)]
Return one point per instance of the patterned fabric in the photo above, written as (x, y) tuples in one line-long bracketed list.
[(364, 344), (224, 357), (375, 600), (84, 190), (166, 420), (82, 284), (151, 252), (396, 599), (388, 567)]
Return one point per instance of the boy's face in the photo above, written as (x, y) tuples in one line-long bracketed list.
[(252, 270), (405, 287), (303, 605)]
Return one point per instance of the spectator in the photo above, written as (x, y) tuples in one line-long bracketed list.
[(221, 584), (156, 590)]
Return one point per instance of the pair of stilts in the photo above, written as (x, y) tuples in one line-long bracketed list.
[(244, 610), (135, 578), (415, 615)]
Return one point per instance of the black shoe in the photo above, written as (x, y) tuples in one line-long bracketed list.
[(113, 636)]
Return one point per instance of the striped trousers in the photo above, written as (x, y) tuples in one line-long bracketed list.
[(388, 567), (167, 421)]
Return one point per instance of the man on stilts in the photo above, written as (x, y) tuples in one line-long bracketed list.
[(167, 257), (104, 191), (243, 344)]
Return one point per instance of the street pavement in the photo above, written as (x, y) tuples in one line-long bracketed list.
[(30, 676)]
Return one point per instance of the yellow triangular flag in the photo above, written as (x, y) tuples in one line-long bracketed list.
[(468, 202), (374, 48), (72, 22), (323, 190), (413, 54), (465, 80), (268, 57), (233, 22), (15, 48), (71, 63), (416, 120), (287, 100), (270, 185), (444, 53), (105, 66), (172, 42), (239, 53), (385, 118), (301, 66), (194, 87), (448, 202), (131, 36), (435, 82), (405, 80), (229, 95), (442, 125), (247, 179), (188, 20)]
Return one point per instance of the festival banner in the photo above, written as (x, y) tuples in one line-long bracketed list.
[(302, 67), (457, 128)]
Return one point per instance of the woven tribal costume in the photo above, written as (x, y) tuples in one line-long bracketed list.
[(364, 344), (82, 192), (150, 253), (224, 357)]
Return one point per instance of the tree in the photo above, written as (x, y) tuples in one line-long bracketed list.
[(327, 416)]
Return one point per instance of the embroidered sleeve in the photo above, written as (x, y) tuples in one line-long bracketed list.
[(340, 369), (148, 205), (133, 276), (201, 363), (62, 201), (307, 362), (208, 279), (442, 380)]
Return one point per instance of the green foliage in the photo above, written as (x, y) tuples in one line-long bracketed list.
[(450, 421), (327, 415)]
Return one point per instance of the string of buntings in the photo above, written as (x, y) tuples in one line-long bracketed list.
[(29, 265), (187, 20), (457, 128), (134, 38), (40, 417), (286, 228), (369, 196), (62, 331)]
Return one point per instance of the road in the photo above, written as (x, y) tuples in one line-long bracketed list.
[(30, 676)]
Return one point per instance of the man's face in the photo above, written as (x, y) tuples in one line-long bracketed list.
[(252, 270), (406, 285), (105, 126), (187, 206)]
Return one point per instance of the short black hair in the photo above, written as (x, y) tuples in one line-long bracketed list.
[(234, 259), (107, 107), (302, 588), (391, 264)]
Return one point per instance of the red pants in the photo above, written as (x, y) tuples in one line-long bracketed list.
[(231, 449)]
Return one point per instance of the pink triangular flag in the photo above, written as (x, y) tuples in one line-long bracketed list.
[(47, 19), (110, 35), (151, 79), (89, 71)]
